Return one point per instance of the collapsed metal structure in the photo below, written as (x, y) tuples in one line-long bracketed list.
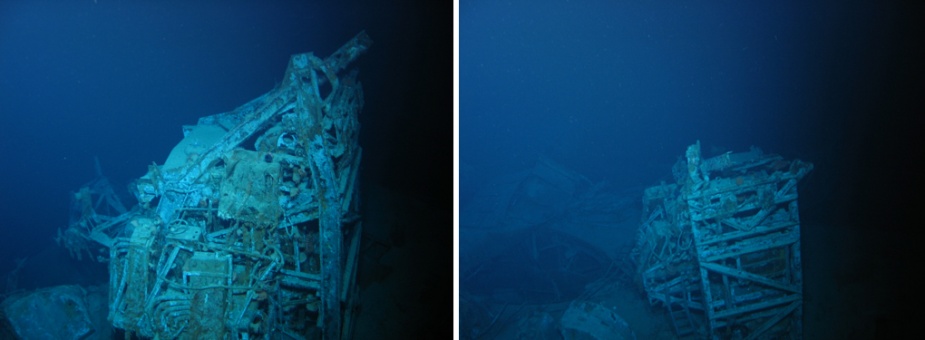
[(242, 232), (720, 249)]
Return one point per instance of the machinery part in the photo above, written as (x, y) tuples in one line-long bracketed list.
[(242, 232), (95, 218), (590, 320), (59, 312), (720, 249)]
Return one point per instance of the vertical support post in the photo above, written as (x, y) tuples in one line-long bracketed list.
[(330, 237), (704, 281)]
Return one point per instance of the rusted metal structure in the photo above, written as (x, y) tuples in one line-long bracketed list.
[(720, 249), (250, 229)]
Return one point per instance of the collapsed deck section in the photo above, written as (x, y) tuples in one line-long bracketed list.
[(720, 249), (250, 228)]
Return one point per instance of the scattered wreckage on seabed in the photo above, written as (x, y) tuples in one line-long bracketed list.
[(249, 230), (717, 253)]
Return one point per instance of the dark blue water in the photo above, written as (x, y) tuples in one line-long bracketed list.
[(616, 91)]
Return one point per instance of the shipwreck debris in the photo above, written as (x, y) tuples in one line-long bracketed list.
[(250, 228), (534, 242), (591, 320), (720, 249), (61, 312)]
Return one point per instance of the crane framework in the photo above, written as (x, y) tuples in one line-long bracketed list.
[(720, 249), (251, 227)]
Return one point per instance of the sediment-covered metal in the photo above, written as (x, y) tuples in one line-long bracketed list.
[(720, 249), (242, 232)]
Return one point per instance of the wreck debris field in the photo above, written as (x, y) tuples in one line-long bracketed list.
[(693, 171), (466, 169), (225, 170)]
